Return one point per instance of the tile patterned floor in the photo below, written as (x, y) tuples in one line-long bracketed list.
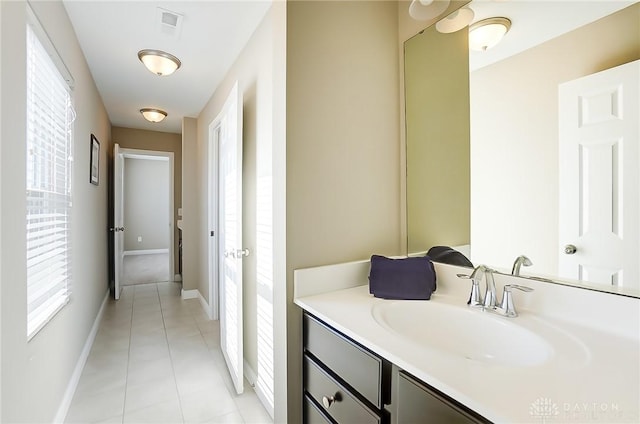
[(156, 359)]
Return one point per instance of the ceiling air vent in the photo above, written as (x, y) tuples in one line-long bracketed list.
[(169, 23)]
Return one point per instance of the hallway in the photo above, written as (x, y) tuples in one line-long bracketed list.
[(156, 359)]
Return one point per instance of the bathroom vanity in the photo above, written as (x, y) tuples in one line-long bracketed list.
[(568, 357), (349, 383)]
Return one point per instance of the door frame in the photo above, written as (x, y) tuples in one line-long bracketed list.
[(128, 153), (212, 218)]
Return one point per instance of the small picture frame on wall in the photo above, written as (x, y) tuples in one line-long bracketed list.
[(94, 163)]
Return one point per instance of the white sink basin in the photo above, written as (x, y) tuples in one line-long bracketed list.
[(467, 333)]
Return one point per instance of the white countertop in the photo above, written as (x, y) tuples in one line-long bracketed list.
[(592, 376)]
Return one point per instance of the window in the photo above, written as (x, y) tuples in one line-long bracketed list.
[(49, 166)]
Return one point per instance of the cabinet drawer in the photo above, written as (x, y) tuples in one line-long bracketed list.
[(358, 367), (312, 413), (345, 408), (416, 402)]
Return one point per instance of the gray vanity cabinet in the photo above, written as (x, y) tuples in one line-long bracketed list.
[(416, 402), (343, 381)]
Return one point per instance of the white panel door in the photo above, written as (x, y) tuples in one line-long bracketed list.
[(230, 213), (118, 216), (599, 177)]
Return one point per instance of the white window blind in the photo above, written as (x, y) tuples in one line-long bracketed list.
[(49, 169)]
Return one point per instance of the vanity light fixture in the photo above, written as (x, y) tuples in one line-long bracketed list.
[(455, 21), (423, 10), (159, 62), (487, 33), (152, 114)]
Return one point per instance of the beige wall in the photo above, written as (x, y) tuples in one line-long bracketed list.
[(146, 204), (514, 138), (35, 374), (190, 207), (131, 138), (343, 165)]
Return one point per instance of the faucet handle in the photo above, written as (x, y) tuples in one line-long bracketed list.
[(475, 298), (508, 287), (507, 307)]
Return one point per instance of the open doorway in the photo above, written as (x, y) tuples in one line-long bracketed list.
[(145, 253)]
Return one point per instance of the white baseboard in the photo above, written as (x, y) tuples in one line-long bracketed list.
[(145, 252), (205, 305), (190, 294), (63, 409), (195, 294)]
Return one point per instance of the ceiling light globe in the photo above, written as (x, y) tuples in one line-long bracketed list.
[(153, 115), (423, 10), (487, 33), (455, 21), (159, 62)]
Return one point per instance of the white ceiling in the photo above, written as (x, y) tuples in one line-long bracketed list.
[(112, 32), (535, 21), (214, 32)]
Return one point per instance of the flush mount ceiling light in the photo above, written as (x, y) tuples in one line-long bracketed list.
[(423, 10), (153, 115), (487, 33), (455, 21), (159, 62)]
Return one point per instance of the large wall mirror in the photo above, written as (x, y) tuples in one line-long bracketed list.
[(484, 159)]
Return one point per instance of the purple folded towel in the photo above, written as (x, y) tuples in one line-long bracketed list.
[(407, 278)]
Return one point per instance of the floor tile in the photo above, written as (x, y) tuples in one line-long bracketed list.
[(103, 360), (111, 420), (156, 359), (232, 418), (207, 404), (91, 384), (250, 407), (149, 351), (195, 380), (160, 389), (96, 407), (145, 372), (164, 412)]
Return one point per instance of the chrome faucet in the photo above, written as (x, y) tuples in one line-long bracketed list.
[(475, 298), (490, 302), (520, 261), (507, 307)]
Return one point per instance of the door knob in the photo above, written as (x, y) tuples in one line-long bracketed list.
[(116, 229), (570, 249), (242, 252)]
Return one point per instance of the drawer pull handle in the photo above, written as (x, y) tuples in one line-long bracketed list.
[(327, 401)]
